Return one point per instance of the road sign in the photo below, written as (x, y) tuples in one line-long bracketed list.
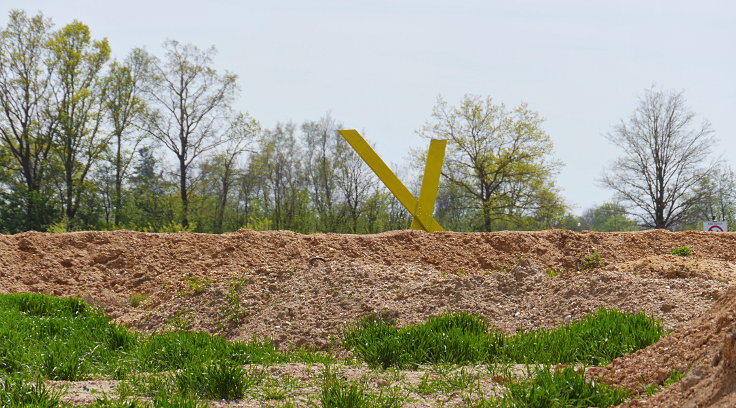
[(715, 226)]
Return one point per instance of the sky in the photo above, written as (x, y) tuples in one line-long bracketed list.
[(379, 65)]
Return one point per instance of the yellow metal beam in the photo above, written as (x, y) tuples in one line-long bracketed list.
[(430, 180), (397, 188)]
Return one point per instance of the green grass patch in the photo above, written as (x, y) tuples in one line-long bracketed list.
[(461, 338), (18, 392), (561, 388), (65, 339), (341, 393)]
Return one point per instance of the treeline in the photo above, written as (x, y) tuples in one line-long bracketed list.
[(153, 144)]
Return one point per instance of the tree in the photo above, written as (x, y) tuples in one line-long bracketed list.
[(278, 165), (221, 170), (498, 160), (320, 145), (78, 102), (715, 195), (26, 124), (607, 217), (126, 112), (355, 181), (665, 157), (189, 100)]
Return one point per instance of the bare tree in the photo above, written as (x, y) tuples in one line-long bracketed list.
[(221, 169), (666, 155), (189, 100), (321, 142)]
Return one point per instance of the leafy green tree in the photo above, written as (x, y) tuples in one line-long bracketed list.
[(126, 113), (79, 140), (608, 217), (148, 205), (714, 197), (189, 99), (26, 123), (278, 165), (497, 160), (665, 156)]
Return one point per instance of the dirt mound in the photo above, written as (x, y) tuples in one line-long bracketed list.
[(301, 289), (705, 349)]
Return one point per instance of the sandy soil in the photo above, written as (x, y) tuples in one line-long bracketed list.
[(270, 284)]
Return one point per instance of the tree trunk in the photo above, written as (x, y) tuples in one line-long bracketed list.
[(118, 181), (184, 196)]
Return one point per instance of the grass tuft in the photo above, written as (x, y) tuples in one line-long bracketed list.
[(561, 388), (460, 338)]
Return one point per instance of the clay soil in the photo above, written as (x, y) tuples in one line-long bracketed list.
[(300, 290)]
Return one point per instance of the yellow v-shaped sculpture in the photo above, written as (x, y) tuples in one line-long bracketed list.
[(421, 209)]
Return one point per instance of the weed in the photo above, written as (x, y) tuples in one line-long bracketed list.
[(682, 251), (338, 393), (592, 261), (447, 380), (674, 376), (136, 299), (234, 310), (181, 321), (596, 339), (196, 284)]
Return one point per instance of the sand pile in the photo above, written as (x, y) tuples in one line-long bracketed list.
[(269, 284)]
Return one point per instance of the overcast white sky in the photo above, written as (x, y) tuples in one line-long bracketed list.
[(379, 65)]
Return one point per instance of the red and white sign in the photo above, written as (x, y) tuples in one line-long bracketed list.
[(715, 226)]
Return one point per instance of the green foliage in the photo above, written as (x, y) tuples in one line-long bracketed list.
[(592, 261), (460, 338), (674, 376), (226, 381), (560, 388), (339, 393), (607, 217), (196, 284), (456, 338), (16, 392), (682, 251), (66, 339), (500, 183), (596, 339)]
